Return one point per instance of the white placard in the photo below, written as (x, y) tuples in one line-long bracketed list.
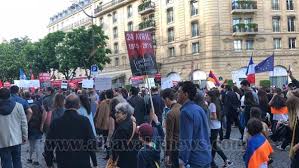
[(151, 82), (64, 84), (166, 83), (87, 83), (27, 83), (103, 83)]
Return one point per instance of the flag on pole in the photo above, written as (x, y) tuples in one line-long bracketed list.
[(213, 78), (250, 73), (266, 65), (22, 74)]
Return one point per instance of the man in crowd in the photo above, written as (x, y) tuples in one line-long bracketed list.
[(14, 130), (138, 103), (64, 135), (157, 102), (48, 100), (245, 85), (172, 128), (14, 91), (195, 147)]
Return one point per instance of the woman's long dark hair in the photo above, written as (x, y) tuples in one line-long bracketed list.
[(278, 102), (85, 103), (263, 98)]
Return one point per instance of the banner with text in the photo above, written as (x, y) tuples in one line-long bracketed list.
[(141, 53)]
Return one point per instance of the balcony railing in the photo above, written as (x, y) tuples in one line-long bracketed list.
[(146, 7), (108, 5), (244, 6), (243, 29), (147, 25)]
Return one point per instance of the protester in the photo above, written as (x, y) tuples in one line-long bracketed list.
[(294, 81), (249, 103), (231, 105), (94, 98), (58, 108), (48, 100), (149, 155), (263, 103), (118, 98), (157, 102), (35, 133), (70, 128), (293, 108), (102, 118), (258, 148), (278, 108), (172, 128), (215, 125), (245, 85), (85, 110), (14, 130), (123, 152), (137, 102), (14, 91), (193, 129)]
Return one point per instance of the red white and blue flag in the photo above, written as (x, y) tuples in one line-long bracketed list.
[(257, 152), (250, 73)]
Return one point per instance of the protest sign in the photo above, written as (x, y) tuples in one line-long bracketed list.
[(87, 83), (103, 83)]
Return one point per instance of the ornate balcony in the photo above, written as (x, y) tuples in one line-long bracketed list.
[(242, 29), (243, 6), (146, 7), (147, 25)]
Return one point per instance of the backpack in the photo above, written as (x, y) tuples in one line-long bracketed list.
[(36, 118)]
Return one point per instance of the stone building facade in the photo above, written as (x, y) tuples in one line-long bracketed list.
[(192, 37)]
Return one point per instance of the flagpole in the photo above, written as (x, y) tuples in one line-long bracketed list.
[(272, 72)]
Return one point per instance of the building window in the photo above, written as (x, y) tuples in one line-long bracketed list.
[(115, 32), (290, 5), (194, 29), (114, 17), (171, 52), (170, 34), (292, 43), (277, 43), (291, 24), (195, 48), (275, 5), (169, 1), (130, 26), (276, 24), (116, 49), (130, 11), (237, 45), (194, 7), (249, 44), (116, 61), (169, 15), (101, 21)]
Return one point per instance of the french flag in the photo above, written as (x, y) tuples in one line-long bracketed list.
[(250, 73)]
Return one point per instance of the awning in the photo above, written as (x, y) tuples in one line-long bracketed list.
[(113, 75)]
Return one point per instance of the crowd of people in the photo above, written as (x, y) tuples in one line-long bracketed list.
[(176, 127)]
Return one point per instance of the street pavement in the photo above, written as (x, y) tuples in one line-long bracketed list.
[(232, 149)]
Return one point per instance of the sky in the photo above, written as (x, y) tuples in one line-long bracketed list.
[(19, 18)]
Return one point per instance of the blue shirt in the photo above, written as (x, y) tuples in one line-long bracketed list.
[(82, 111), (195, 148), (20, 100)]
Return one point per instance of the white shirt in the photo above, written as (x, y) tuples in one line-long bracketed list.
[(215, 124)]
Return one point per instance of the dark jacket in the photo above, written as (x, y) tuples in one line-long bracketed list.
[(125, 152), (148, 157), (7, 106), (158, 106), (139, 108), (231, 103), (72, 138)]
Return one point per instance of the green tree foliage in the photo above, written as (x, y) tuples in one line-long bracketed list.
[(64, 52)]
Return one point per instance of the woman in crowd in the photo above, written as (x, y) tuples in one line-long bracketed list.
[(278, 108), (35, 133), (215, 125), (293, 107), (102, 118), (263, 103), (58, 106), (123, 152)]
